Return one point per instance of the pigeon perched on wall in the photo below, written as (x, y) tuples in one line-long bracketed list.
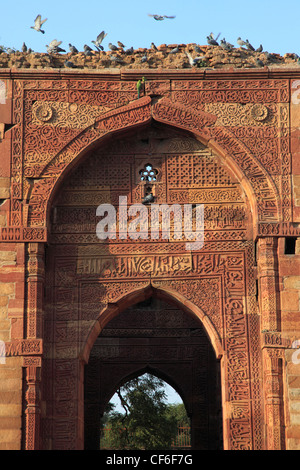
[(240, 42), (117, 59), (226, 45), (129, 51), (112, 47), (87, 48), (70, 64), (38, 22), (161, 17), (24, 47), (211, 41), (120, 44), (153, 47), (270, 57), (148, 199), (259, 62), (249, 46), (144, 58), (88, 51), (259, 49), (73, 49), (198, 50)]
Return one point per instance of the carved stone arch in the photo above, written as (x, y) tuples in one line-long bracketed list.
[(260, 190), (104, 375)]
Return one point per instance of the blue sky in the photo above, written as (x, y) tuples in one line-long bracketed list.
[(274, 24), (172, 395)]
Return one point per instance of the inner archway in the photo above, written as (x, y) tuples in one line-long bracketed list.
[(145, 413), (157, 337)]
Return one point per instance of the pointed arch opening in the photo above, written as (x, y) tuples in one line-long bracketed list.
[(156, 337), (145, 413)]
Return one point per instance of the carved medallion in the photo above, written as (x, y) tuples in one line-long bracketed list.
[(259, 112), (44, 112)]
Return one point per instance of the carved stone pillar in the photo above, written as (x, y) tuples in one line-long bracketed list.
[(32, 399), (33, 330), (274, 408), (270, 339)]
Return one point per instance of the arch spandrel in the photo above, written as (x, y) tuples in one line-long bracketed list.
[(260, 189)]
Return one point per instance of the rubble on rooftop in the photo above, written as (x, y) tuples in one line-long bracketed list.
[(212, 57)]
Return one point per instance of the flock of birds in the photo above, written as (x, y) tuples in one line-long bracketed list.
[(54, 46)]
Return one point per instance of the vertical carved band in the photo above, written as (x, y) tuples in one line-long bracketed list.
[(267, 277), (274, 409), (35, 289)]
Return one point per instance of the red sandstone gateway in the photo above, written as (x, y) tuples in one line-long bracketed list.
[(80, 316)]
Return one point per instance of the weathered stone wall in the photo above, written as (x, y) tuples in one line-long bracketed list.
[(249, 118)]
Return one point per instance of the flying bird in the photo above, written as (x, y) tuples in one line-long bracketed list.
[(54, 47), (161, 17), (38, 22), (194, 61), (99, 40)]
